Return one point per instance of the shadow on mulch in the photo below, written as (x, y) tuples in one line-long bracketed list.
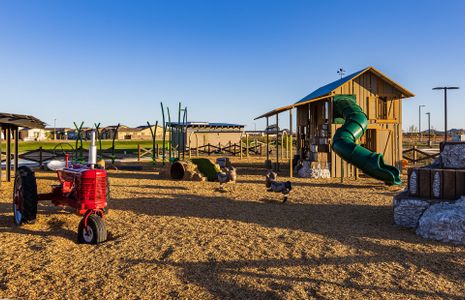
[(351, 225), (209, 275)]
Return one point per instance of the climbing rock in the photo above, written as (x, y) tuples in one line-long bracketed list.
[(308, 169), (407, 211), (453, 156), (444, 222)]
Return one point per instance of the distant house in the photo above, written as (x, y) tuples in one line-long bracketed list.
[(126, 133), (32, 134), (199, 134), (108, 132), (73, 133), (58, 133)]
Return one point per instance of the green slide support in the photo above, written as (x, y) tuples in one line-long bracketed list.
[(344, 142)]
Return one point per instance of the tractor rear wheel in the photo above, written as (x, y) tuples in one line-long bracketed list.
[(94, 233), (25, 196)]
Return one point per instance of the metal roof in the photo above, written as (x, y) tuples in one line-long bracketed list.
[(20, 120), (326, 90), (203, 124)]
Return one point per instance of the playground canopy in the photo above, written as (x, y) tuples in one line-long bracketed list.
[(9, 126)]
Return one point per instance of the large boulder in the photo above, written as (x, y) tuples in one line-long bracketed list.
[(407, 211), (444, 222), (453, 156)]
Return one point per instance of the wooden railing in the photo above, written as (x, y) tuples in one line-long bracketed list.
[(415, 156)]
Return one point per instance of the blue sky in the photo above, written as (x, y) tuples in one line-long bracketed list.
[(227, 61)]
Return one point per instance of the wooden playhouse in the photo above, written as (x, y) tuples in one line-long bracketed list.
[(378, 96)]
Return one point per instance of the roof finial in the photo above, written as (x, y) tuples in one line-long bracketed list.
[(341, 72)]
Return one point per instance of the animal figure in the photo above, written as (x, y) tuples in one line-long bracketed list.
[(278, 187), (227, 174)]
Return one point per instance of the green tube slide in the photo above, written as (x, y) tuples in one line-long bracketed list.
[(344, 142)]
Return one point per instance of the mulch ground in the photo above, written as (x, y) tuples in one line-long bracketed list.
[(176, 239)]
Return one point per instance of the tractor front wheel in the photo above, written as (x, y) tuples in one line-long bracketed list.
[(24, 196), (95, 231)]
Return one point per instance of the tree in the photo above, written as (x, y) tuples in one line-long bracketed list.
[(412, 129)]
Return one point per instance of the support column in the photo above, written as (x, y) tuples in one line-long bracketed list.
[(267, 139), (8, 154), (277, 144), (291, 157), (16, 157)]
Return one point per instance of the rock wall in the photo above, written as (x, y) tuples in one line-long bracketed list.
[(441, 221), (444, 222)]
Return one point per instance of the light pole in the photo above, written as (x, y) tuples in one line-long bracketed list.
[(419, 120), (54, 129), (429, 129), (445, 88)]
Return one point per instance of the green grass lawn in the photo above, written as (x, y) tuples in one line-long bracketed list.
[(130, 146)]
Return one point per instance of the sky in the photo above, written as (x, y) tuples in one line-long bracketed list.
[(113, 62)]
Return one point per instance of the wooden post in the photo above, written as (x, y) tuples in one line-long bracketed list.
[(290, 144), (16, 157), (240, 146), (267, 139), (342, 170), (277, 145), (190, 144), (247, 145), (8, 154), (282, 145), (40, 158), (138, 152)]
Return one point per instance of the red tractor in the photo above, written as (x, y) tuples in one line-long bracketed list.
[(83, 187)]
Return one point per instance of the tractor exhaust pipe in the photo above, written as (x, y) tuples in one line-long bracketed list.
[(92, 151)]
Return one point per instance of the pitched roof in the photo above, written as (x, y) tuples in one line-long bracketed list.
[(21, 120), (326, 90)]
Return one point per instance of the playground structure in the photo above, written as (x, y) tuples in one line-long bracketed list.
[(174, 152), (83, 187), (345, 142), (373, 121)]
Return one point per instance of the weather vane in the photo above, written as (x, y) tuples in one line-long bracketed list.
[(341, 72)]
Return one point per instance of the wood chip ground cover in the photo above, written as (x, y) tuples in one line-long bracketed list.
[(175, 239)]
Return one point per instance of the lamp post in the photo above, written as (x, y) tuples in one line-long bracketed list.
[(445, 88), (54, 129), (429, 129), (419, 120)]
